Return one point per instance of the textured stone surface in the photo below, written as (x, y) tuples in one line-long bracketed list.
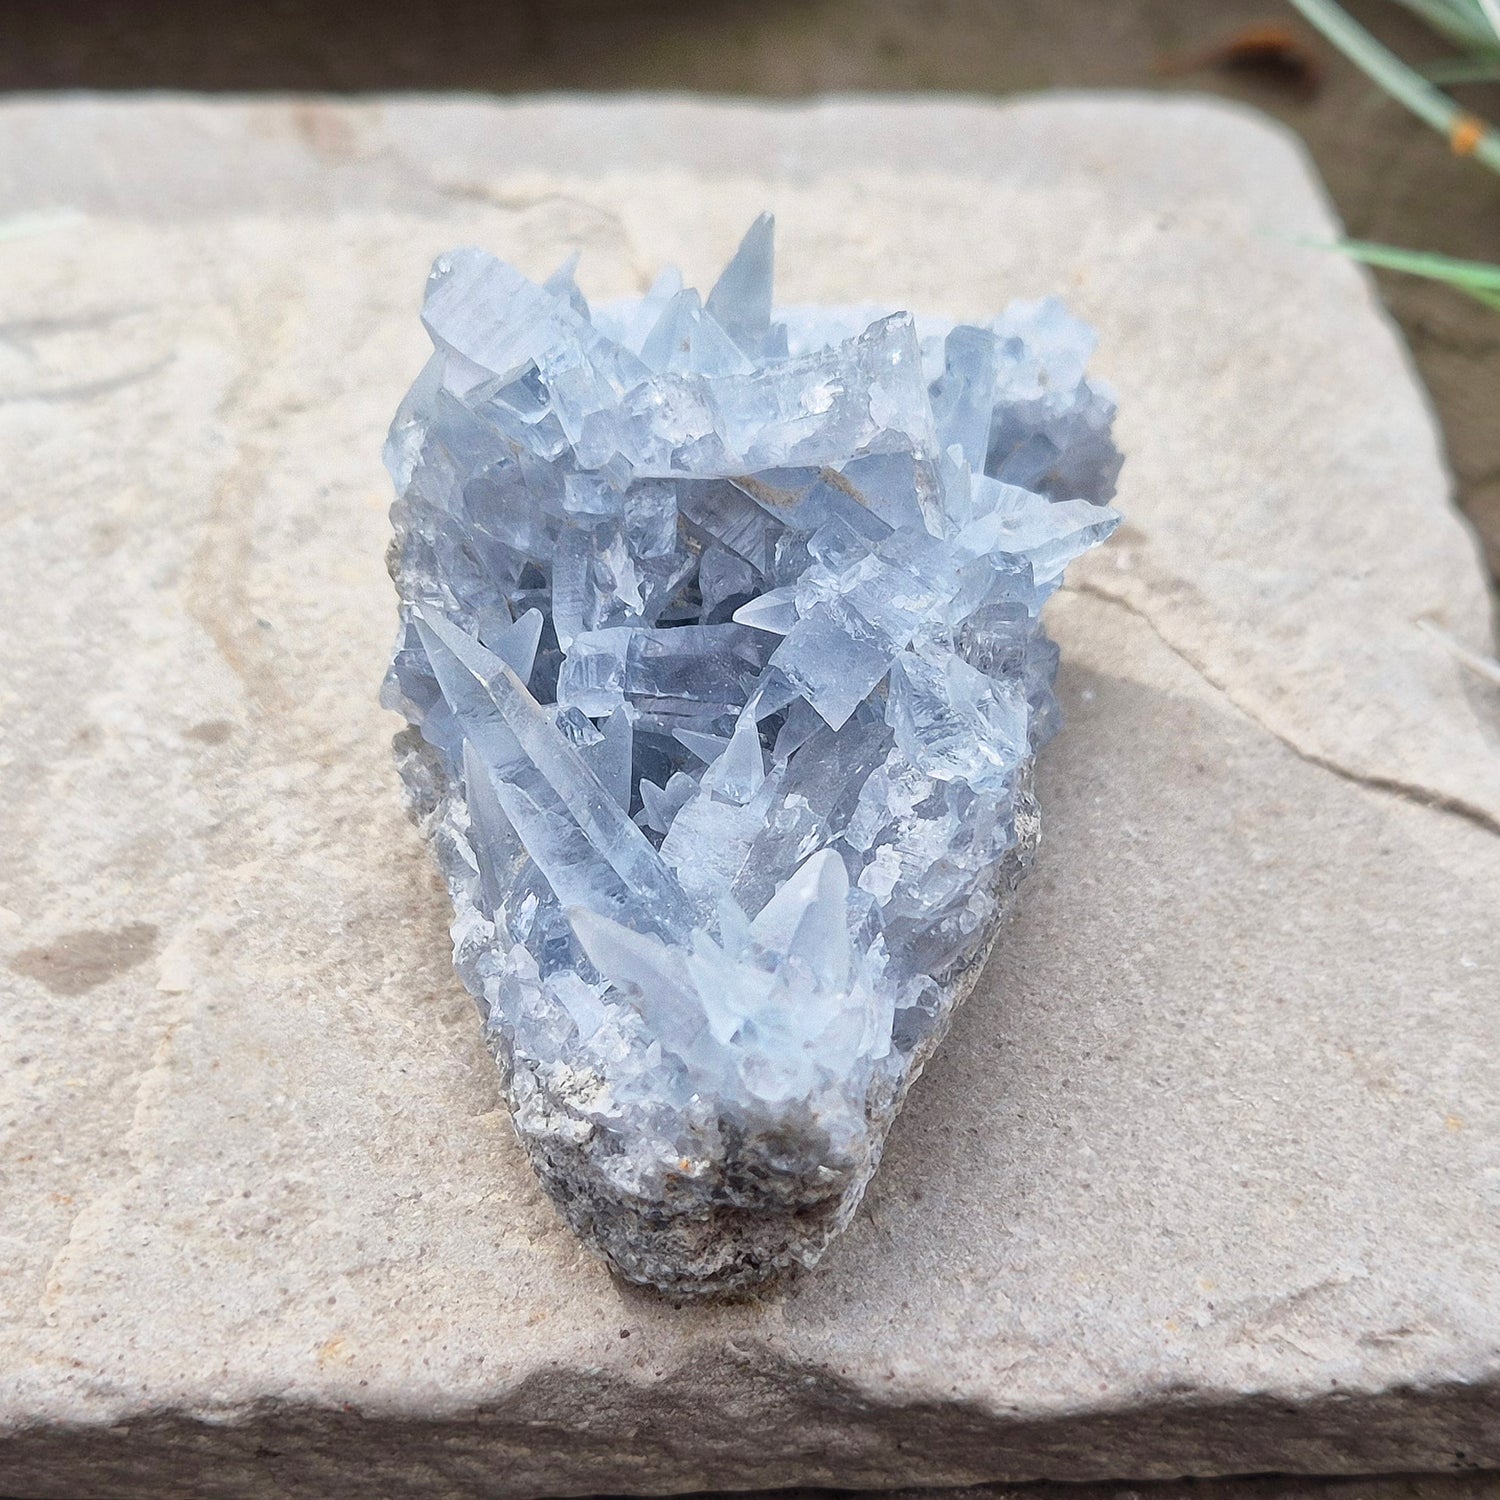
[(1207, 1179)]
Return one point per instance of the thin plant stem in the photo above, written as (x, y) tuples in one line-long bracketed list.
[(1461, 21), (1472, 277), (1467, 134)]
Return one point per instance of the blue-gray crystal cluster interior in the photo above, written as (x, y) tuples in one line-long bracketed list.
[(721, 654)]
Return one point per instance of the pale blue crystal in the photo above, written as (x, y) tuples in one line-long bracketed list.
[(738, 771), (957, 723), (741, 298), (660, 804), (722, 657)]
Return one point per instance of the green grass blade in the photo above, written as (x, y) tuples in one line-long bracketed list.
[(1472, 275), (1474, 278), (1422, 98), (1462, 21)]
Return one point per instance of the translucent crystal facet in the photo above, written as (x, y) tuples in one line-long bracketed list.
[(722, 662)]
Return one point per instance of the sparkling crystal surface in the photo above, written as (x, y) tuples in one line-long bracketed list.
[(723, 666)]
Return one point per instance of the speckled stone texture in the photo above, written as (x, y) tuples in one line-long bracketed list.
[(1205, 1180)]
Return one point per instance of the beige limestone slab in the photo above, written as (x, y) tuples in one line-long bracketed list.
[(1207, 1179)]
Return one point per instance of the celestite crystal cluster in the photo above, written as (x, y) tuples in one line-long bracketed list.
[(721, 654)]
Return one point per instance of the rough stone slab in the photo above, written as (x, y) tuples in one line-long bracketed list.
[(1208, 1177)]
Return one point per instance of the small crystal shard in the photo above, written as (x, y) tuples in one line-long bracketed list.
[(723, 668)]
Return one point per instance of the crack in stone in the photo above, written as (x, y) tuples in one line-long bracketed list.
[(88, 390), (460, 190), (134, 1169), (19, 333), (1421, 796), (216, 595)]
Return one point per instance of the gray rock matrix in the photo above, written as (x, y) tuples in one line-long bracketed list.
[(722, 658)]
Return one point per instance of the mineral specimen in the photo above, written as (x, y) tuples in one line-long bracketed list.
[(721, 656)]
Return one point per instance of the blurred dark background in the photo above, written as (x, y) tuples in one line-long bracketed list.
[(1391, 177)]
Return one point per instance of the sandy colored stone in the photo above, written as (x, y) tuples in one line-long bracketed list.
[(1207, 1179)]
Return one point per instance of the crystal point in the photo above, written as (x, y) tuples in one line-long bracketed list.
[(722, 655), (741, 298)]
